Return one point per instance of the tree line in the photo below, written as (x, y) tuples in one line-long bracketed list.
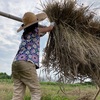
[(5, 76)]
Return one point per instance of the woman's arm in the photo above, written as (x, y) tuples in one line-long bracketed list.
[(43, 30)]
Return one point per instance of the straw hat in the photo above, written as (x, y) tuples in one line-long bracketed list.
[(30, 18)]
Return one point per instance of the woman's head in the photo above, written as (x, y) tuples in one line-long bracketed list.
[(29, 29), (30, 18)]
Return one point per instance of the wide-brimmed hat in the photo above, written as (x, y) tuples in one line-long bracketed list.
[(30, 18)]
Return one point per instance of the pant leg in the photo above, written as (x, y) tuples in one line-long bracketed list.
[(19, 89), (29, 78), (19, 86), (34, 85)]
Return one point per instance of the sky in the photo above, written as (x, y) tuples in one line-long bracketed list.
[(10, 39)]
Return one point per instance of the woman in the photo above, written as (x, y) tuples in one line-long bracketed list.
[(27, 58)]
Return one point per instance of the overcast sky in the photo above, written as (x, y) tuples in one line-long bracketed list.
[(10, 39)]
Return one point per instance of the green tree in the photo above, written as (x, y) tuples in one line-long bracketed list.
[(4, 76)]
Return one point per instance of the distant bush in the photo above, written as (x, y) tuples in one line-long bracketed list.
[(88, 83), (48, 83), (4, 76)]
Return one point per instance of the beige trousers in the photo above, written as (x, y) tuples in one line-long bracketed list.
[(24, 74)]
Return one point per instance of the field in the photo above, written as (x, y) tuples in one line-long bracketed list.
[(52, 91)]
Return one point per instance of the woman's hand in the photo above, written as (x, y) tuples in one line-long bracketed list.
[(52, 24), (47, 29)]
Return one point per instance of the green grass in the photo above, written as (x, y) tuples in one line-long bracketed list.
[(51, 91)]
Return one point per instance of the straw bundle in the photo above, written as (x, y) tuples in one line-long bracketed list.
[(73, 46)]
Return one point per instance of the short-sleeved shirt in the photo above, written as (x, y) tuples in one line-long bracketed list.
[(29, 48)]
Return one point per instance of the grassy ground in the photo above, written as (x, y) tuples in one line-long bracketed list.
[(52, 91)]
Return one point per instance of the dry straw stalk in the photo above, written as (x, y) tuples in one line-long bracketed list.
[(73, 47)]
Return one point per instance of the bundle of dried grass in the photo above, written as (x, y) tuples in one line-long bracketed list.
[(73, 46)]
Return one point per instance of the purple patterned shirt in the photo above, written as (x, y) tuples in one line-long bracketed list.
[(29, 48)]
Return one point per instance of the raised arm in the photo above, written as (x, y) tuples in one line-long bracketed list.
[(43, 30)]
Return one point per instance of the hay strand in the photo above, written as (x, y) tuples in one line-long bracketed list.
[(73, 46)]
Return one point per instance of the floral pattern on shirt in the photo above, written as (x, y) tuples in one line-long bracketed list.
[(29, 48)]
